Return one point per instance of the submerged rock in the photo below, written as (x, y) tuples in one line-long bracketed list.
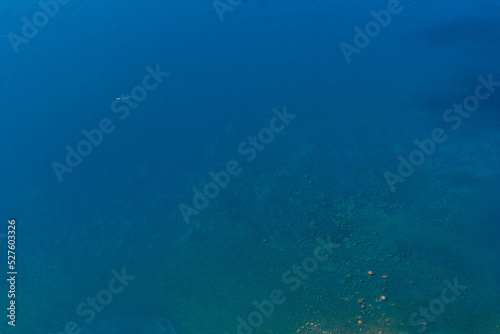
[(130, 325)]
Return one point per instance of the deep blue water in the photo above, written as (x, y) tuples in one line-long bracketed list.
[(355, 114)]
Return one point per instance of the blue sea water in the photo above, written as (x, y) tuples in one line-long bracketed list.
[(169, 160), (132, 325)]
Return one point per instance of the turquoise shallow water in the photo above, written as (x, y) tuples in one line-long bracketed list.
[(178, 162)]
